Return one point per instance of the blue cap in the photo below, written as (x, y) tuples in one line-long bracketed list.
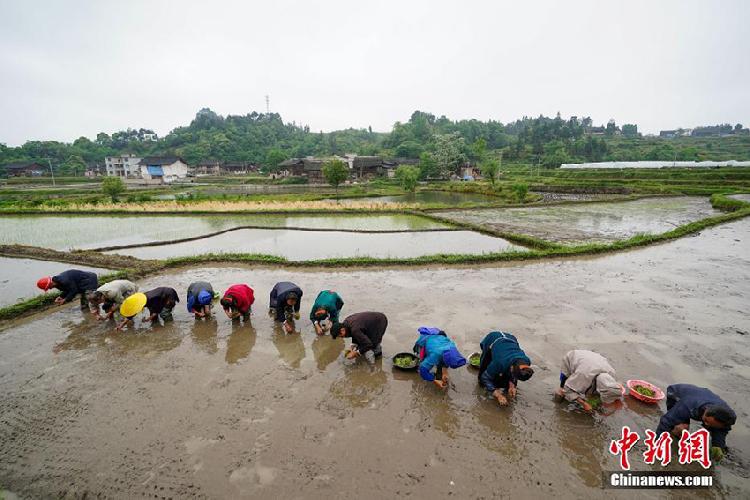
[(453, 358), (205, 298), (428, 330)]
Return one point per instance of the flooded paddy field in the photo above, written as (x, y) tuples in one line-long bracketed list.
[(552, 197), (590, 222), (64, 232), (302, 245), (208, 409), (741, 197), (18, 277), (427, 197)]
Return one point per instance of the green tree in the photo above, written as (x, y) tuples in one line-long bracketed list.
[(408, 149), (335, 172), (113, 187), (408, 176), (490, 167), (427, 166), (611, 128), (630, 130), (520, 191), (74, 165), (273, 158), (479, 150), (449, 153)]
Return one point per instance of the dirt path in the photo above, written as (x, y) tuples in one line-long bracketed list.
[(208, 410)]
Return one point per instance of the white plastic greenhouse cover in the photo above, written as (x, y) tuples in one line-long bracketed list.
[(657, 164)]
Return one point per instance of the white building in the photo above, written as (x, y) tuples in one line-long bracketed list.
[(163, 169), (123, 166)]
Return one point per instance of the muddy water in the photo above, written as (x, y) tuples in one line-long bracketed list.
[(551, 197), (18, 277), (65, 232), (592, 221), (213, 410), (300, 245), (444, 197), (742, 197)]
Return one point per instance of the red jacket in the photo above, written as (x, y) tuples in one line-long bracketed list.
[(243, 295)]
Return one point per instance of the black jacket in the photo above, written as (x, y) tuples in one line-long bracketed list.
[(156, 299), (73, 282), (366, 329), (278, 298)]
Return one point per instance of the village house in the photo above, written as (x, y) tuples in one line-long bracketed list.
[(127, 166), (390, 165), (164, 170), (24, 169), (309, 167), (238, 168), (95, 170), (368, 167), (206, 167), (468, 171)]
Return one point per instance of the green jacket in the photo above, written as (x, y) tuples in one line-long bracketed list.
[(331, 302)]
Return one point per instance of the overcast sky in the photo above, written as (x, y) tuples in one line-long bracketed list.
[(74, 68)]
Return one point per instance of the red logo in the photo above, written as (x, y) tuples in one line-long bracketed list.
[(694, 448), (658, 449), (623, 445)]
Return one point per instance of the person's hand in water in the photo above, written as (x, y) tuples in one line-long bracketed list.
[(511, 390), (585, 405), (352, 354), (500, 397)]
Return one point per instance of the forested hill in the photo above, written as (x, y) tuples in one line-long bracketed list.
[(266, 139)]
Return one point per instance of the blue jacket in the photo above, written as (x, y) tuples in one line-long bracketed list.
[(688, 403), (73, 282), (503, 350), (435, 343)]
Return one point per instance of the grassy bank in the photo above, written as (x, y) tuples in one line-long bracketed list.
[(726, 204)]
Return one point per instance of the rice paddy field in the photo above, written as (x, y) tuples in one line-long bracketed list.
[(210, 408)]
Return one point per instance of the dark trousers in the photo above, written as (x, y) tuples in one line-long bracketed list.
[(166, 313)]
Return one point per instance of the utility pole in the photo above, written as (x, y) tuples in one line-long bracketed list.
[(52, 172), (268, 105)]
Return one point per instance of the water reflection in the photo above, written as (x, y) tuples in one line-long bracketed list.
[(593, 221), (326, 350), (361, 386), (203, 333), (145, 340), (296, 245), (290, 346), (240, 342), (435, 406), (501, 433), (583, 443), (66, 232), (82, 335)]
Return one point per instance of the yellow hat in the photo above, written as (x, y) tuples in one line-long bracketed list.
[(133, 305)]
